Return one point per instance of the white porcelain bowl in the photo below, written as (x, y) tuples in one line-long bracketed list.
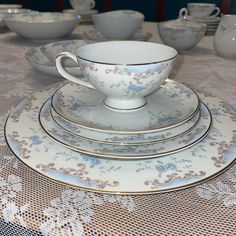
[(42, 26), (121, 24), (181, 34), (124, 71)]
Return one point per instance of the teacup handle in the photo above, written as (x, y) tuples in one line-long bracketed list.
[(65, 74), (92, 5), (217, 11), (183, 12)]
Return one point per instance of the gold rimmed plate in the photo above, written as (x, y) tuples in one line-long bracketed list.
[(141, 151), (34, 148), (171, 105), (126, 139)]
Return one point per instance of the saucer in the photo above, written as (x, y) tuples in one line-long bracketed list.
[(141, 151), (84, 107), (85, 15), (126, 139), (204, 160), (140, 35), (43, 57), (209, 19)]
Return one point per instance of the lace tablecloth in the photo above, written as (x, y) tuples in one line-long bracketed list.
[(34, 205)]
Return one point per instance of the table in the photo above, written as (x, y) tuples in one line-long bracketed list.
[(34, 205)]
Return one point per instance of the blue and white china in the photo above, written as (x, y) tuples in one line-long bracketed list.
[(43, 57), (171, 105), (42, 25), (225, 37), (82, 5), (119, 24), (204, 160), (141, 151), (182, 34), (125, 139), (125, 71), (94, 34)]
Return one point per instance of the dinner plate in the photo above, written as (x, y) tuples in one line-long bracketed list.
[(141, 151), (171, 105), (204, 160), (43, 57), (125, 139), (95, 35)]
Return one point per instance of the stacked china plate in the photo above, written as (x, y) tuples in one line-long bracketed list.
[(126, 128), (212, 23)]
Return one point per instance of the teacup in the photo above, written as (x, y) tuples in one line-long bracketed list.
[(119, 24), (82, 5), (124, 71), (200, 10)]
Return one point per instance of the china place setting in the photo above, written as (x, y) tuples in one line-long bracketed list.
[(120, 125)]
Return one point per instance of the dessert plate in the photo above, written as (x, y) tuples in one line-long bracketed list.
[(140, 151), (125, 139), (171, 105), (43, 57), (204, 160), (95, 35)]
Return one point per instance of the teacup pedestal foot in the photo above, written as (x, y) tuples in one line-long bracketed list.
[(120, 105)]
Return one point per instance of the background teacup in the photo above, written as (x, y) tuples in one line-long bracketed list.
[(82, 5), (202, 10), (124, 71), (119, 24)]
